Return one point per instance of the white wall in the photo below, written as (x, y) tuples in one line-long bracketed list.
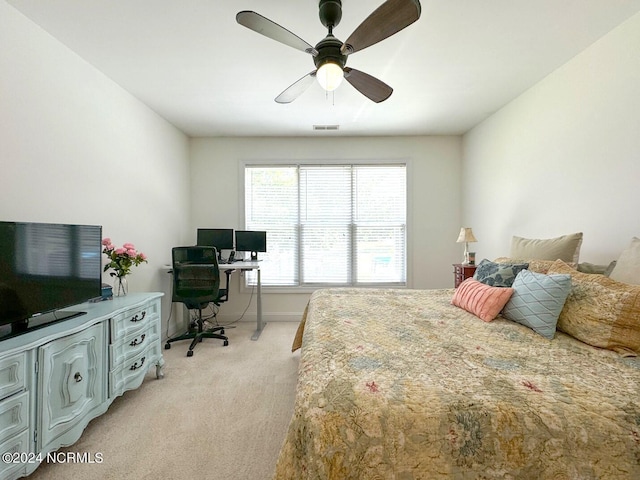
[(77, 148), (434, 199), (564, 156)]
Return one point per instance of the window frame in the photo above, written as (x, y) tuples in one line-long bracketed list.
[(308, 288)]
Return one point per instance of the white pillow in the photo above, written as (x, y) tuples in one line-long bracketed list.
[(627, 269), (565, 248)]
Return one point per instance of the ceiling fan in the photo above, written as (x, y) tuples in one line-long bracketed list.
[(330, 54)]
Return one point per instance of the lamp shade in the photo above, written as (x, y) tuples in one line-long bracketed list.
[(466, 235), (330, 76)]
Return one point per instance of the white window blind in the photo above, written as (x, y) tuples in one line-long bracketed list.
[(329, 224)]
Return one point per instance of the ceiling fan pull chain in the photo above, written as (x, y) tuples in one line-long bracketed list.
[(333, 96)]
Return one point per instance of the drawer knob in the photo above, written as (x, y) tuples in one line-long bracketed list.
[(139, 318), (135, 366), (135, 342), (77, 377)]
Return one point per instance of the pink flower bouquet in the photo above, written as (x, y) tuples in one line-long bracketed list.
[(122, 259)]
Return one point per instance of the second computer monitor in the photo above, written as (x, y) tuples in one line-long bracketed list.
[(251, 241), (221, 238)]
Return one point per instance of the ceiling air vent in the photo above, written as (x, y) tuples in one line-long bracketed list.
[(326, 127)]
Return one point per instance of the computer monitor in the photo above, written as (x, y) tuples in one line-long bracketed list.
[(251, 241), (221, 238)]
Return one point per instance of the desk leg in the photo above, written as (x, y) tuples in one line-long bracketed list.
[(260, 323)]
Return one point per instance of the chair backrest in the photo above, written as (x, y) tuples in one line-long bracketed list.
[(196, 275)]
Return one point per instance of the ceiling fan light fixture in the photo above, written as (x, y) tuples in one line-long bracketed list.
[(330, 54), (330, 76)]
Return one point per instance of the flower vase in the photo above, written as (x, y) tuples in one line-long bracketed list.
[(120, 286)]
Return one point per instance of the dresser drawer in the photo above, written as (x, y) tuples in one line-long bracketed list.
[(131, 373), (13, 370), (134, 320), (18, 444), (122, 350), (14, 415)]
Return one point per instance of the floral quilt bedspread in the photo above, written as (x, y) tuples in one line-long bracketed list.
[(399, 384)]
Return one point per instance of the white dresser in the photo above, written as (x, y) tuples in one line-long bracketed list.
[(54, 380)]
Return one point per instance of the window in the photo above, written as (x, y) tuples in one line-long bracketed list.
[(329, 225)]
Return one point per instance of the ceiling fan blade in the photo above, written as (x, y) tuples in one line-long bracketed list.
[(369, 86), (296, 89), (388, 19), (270, 29)]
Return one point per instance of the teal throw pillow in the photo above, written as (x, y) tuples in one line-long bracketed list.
[(537, 301), (498, 274)]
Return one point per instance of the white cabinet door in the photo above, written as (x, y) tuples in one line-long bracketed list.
[(72, 385)]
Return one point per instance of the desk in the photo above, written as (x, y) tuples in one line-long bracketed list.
[(244, 266)]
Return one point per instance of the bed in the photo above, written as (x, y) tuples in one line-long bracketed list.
[(401, 384)]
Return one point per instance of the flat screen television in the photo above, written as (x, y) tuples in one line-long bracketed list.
[(251, 241), (221, 238), (46, 267)]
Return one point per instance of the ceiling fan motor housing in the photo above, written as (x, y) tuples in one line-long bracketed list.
[(329, 51), (330, 13)]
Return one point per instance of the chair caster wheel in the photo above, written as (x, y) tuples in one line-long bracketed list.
[(189, 353), (226, 342), (222, 332), (167, 346), (200, 340)]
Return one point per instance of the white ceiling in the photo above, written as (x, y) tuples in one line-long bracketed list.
[(195, 66)]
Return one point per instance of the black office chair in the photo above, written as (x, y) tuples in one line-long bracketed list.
[(196, 284)]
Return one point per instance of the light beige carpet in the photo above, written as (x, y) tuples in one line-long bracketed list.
[(221, 414)]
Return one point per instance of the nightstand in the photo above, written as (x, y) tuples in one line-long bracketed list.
[(462, 272)]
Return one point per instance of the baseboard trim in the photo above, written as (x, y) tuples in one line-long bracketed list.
[(266, 317)]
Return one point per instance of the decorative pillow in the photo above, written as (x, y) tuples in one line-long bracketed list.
[(612, 265), (498, 274), (537, 301), (601, 312), (586, 267), (627, 267), (482, 300), (566, 247), (538, 266)]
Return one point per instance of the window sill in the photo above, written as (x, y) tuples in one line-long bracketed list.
[(307, 289)]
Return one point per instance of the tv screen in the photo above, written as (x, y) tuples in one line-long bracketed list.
[(221, 238), (251, 241), (45, 267)]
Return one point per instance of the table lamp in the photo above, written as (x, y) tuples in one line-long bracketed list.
[(466, 236)]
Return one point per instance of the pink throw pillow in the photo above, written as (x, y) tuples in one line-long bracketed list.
[(482, 300)]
